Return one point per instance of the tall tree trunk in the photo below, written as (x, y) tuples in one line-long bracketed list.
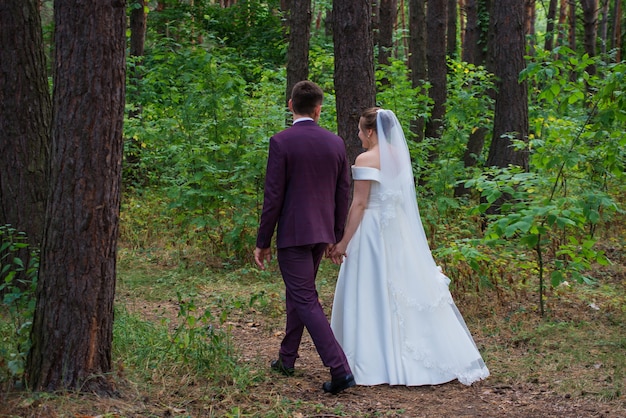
[(355, 85), (299, 22), (551, 18), (453, 17), (617, 41), (73, 323), (138, 24), (436, 17), (590, 23), (25, 117), (561, 29), (386, 23), (476, 32), (474, 52), (475, 144), (138, 28), (376, 22), (511, 101), (418, 63), (572, 25), (529, 23), (603, 26)]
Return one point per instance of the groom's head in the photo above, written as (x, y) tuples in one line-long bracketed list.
[(306, 99)]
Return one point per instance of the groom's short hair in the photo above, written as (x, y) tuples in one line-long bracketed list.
[(305, 97)]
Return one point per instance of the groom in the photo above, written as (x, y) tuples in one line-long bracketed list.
[(307, 189)]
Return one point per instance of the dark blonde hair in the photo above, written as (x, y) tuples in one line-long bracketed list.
[(305, 97), (368, 118)]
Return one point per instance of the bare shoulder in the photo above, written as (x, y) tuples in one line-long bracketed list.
[(369, 158)]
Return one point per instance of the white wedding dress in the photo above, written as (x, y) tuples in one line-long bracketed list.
[(393, 313)]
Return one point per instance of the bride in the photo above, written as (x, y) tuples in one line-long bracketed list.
[(393, 313)]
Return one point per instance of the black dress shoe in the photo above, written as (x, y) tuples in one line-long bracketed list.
[(277, 365), (338, 385)]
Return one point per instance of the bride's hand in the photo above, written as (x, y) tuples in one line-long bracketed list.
[(337, 252)]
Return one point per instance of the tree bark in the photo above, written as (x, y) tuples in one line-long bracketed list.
[(603, 26), (138, 24), (572, 24), (436, 17), (590, 24), (617, 41), (299, 18), (475, 144), (73, 323), (511, 100), (453, 15), (529, 23), (25, 117), (418, 63), (551, 18), (476, 32), (386, 23), (355, 85), (563, 14)]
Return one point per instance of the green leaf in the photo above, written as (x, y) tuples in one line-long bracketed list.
[(556, 278)]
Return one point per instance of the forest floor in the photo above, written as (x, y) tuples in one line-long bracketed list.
[(570, 363)]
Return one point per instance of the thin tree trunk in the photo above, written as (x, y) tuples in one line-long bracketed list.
[(531, 15), (453, 17), (590, 23), (386, 23), (299, 18), (475, 145), (462, 23), (73, 323), (617, 42), (603, 26), (436, 18), (561, 29), (549, 41), (476, 32), (572, 25), (138, 24), (418, 63)]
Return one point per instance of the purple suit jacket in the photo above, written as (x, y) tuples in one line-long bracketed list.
[(307, 187)]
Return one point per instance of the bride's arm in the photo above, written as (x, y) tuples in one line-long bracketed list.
[(355, 214)]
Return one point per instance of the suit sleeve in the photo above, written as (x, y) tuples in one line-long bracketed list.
[(342, 198), (275, 178)]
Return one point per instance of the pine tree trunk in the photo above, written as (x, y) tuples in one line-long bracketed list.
[(299, 18), (590, 23), (387, 22), (453, 15), (355, 85), (549, 41), (511, 101), (475, 39), (436, 18), (418, 63), (73, 324), (25, 117)]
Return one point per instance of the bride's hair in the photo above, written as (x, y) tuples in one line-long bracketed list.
[(368, 118)]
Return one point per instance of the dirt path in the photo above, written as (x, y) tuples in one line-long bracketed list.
[(489, 398)]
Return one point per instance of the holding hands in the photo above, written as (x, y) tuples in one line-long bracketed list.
[(336, 252)]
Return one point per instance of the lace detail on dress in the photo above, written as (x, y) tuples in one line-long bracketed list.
[(390, 200)]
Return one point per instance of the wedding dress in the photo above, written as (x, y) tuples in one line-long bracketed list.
[(393, 313)]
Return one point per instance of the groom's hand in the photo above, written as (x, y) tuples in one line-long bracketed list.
[(261, 255), (336, 253)]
